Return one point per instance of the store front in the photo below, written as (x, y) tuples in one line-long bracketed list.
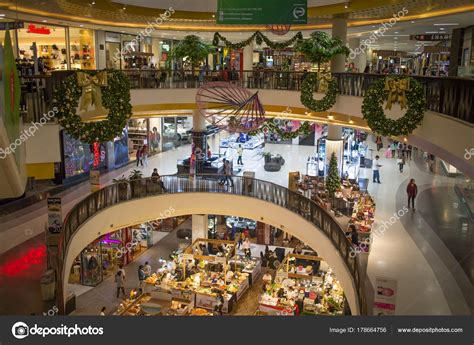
[(144, 132), (176, 131)]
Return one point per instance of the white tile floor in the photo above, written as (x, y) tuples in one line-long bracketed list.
[(394, 255)]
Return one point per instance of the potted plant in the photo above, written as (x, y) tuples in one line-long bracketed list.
[(122, 186), (267, 156), (192, 49), (136, 182)]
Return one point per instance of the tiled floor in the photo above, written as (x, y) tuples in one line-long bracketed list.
[(416, 251)]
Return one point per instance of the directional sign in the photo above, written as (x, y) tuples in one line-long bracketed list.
[(432, 37)]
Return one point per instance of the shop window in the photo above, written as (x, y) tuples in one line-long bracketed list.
[(50, 44), (82, 48)]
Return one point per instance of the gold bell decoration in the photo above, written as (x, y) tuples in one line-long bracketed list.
[(324, 78), (397, 91), (90, 103)]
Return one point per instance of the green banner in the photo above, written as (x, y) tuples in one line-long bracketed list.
[(262, 12)]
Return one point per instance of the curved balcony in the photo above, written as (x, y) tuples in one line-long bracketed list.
[(263, 200)]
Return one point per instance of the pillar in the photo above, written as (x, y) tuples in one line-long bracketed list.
[(199, 141), (334, 143), (263, 233), (248, 61), (339, 29), (199, 226), (100, 55), (359, 59)]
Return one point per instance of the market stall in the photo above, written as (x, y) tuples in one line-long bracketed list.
[(200, 276), (302, 286)]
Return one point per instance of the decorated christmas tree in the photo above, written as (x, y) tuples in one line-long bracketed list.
[(333, 181)]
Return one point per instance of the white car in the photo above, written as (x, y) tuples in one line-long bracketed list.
[(179, 134)]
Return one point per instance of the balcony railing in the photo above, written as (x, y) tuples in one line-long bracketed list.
[(263, 190), (446, 95)]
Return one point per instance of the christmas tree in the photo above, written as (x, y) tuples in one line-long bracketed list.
[(333, 181)]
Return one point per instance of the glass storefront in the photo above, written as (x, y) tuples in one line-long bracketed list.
[(80, 158), (176, 131), (82, 48), (49, 41)]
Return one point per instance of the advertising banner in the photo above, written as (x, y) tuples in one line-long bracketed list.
[(262, 12), (55, 220), (385, 296)]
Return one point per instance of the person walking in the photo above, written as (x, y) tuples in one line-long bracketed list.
[(412, 191), (376, 170), (393, 148), (139, 156), (145, 155), (379, 143), (102, 311), (141, 278), (240, 151), (228, 173), (401, 162), (409, 151), (122, 270), (120, 280), (246, 248), (147, 269)]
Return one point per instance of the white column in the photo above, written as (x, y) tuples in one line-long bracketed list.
[(248, 61), (199, 226), (334, 143), (199, 122), (100, 53), (359, 59), (339, 29)]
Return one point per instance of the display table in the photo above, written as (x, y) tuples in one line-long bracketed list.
[(251, 266)]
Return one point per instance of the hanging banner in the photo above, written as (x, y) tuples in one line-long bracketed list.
[(385, 296), (94, 180), (12, 25), (262, 12), (55, 220)]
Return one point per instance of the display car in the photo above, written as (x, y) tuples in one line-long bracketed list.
[(170, 131)]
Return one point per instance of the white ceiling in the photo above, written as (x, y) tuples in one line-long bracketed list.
[(202, 5)]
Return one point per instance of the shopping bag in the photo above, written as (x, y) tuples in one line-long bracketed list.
[(388, 153)]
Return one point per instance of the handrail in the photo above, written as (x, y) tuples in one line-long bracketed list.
[(267, 191), (452, 96)]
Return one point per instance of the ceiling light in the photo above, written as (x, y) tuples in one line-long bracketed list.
[(124, 7), (330, 117), (395, 38), (432, 32), (81, 26), (442, 29), (122, 31), (396, 32), (44, 21), (213, 16), (2, 14), (346, 5), (413, 22), (93, 3), (446, 24)]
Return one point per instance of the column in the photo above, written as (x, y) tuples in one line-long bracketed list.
[(339, 29), (199, 226), (334, 143), (199, 140), (359, 57), (263, 233), (248, 62), (100, 55)]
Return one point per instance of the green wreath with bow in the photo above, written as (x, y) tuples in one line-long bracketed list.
[(259, 39), (307, 99), (380, 91), (115, 97)]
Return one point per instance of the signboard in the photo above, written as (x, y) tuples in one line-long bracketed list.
[(55, 220), (32, 29), (12, 25), (437, 49), (385, 296), (262, 12), (220, 260), (432, 37), (188, 257), (94, 180)]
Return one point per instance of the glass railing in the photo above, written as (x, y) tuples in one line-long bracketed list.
[(446, 95), (117, 193)]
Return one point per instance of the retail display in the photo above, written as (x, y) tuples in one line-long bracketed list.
[(363, 217), (251, 142), (301, 288), (252, 266)]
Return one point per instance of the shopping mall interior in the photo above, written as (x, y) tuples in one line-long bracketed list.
[(179, 157)]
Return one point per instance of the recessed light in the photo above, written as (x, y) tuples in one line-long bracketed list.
[(93, 3), (413, 22), (124, 8), (81, 26), (396, 32), (213, 16), (2, 14), (395, 38), (44, 21), (442, 29), (122, 31)]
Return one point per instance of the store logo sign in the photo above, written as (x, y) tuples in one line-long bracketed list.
[(32, 29), (298, 12)]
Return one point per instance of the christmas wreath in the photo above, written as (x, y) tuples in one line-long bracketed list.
[(307, 88), (394, 89), (110, 87), (273, 126)]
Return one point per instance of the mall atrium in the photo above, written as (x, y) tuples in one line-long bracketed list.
[(236, 157)]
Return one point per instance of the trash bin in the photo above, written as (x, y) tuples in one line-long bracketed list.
[(48, 287)]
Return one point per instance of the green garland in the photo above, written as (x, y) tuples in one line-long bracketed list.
[(259, 39), (373, 112), (272, 126), (309, 102), (115, 97)]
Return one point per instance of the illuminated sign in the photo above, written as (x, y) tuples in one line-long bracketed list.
[(32, 29)]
